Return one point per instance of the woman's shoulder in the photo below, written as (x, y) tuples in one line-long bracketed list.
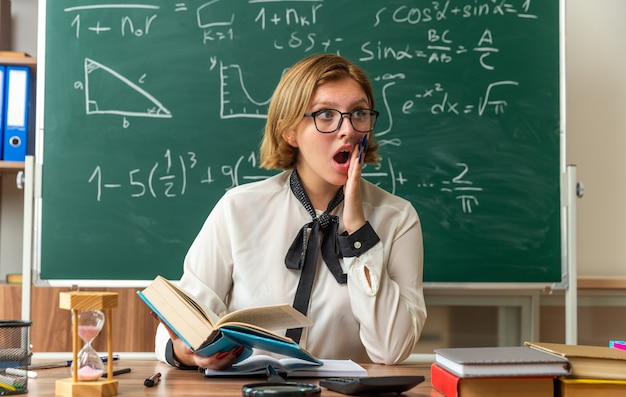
[(269, 185), (379, 196), (385, 203)]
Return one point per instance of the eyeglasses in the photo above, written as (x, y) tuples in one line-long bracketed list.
[(329, 120)]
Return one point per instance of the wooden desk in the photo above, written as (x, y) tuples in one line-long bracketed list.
[(175, 382)]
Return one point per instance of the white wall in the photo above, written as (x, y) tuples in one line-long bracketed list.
[(24, 26), (596, 130), (24, 39), (595, 127)]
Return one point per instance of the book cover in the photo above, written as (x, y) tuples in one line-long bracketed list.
[(206, 333), (570, 387), (593, 362), (234, 335), (2, 100), (451, 385), (500, 361), (291, 367)]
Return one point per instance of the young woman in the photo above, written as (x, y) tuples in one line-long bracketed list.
[(363, 244)]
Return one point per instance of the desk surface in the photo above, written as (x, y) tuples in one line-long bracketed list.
[(191, 383)]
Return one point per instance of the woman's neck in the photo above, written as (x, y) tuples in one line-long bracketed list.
[(320, 193)]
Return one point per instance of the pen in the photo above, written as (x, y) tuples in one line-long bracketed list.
[(117, 372), (60, 364), (153, 380), (362, 148)]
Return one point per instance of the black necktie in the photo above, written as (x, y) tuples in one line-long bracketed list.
[(302, 254)]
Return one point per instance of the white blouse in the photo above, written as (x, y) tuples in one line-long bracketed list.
[(238, 260)]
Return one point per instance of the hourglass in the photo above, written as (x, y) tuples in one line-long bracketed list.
[(90, 366), (91, 311)]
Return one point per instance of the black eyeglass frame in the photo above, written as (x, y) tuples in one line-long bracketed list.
[(349, 114)]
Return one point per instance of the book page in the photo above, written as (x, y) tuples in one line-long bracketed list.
[(257, 362), (255, 330), (257, 365), (200, 310), (274, 317)]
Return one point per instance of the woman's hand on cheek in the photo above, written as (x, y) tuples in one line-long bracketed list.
[(353, 216)]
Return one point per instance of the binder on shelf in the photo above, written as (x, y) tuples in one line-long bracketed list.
[(17, 98), (2, 96)]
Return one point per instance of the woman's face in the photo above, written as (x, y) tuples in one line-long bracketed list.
[(324, 159)]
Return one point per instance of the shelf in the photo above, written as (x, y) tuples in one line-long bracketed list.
[(11, 165), (18, 60), (602, 283)]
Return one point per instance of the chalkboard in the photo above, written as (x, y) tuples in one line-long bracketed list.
[(152, 110)]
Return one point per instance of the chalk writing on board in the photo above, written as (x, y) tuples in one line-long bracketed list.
[(442, 10), (445, 104), (95, 103), (232, 83), (468, 92), (170, 177), (127, 26), (236, 101), (462, 188), (466, 192)]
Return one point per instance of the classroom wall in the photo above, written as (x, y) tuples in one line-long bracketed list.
[(595, 125), (24, 39), (596, 131)]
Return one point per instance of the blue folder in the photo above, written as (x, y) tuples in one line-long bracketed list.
[(2, 96), (16, 108)]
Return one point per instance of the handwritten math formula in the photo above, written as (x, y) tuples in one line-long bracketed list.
[(153, 110), (171, 176), (434, 64)]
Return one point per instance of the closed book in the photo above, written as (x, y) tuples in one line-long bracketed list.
[(451, 385), (576, 387), (14, 278), (500, 361), (591, 362)]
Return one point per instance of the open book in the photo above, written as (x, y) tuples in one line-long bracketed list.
[(207, 334), (291, 367)]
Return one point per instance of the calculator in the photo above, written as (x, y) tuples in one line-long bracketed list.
[(372, 384)]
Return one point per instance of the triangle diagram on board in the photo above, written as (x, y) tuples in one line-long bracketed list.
[(136, 101)]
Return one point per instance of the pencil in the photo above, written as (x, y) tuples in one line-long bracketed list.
[(8, 387)]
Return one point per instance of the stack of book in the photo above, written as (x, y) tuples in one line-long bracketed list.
[(536, 369), (516, 371), (596, 370)]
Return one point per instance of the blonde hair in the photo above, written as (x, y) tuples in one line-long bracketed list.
[(291, 98)]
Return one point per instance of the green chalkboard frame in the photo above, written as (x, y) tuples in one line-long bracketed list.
[(149, 112)]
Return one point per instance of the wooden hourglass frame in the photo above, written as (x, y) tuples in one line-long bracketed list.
[(77, 301)]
